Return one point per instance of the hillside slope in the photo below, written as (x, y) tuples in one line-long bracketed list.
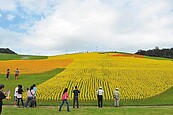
[(137, 77)]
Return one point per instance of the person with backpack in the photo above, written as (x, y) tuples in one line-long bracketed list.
[(76, 92), (2, 96), (65, 99)]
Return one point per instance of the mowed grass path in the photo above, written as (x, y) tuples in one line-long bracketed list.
[(85, 110)]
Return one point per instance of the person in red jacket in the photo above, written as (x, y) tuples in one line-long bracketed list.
[(65, 99)]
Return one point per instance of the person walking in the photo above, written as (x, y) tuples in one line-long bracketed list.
[(31, 94), (76, 92), (19, 95), (116, 97), (16, 74), (2, 96), (15, 95), (8, 74), (100, 97), (35, 90), (65, 99)]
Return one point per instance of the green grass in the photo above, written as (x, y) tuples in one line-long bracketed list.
[(89, 111), (157, 58), (20, 57), (163, 99), (26, 80)]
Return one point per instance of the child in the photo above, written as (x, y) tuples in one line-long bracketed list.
[(2, 96)]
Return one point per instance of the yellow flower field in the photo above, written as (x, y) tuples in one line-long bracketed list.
[(136, 78), (33, 66)]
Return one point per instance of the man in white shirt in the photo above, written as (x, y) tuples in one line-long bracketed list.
[(100, 96), (116, 97), (15, 95)]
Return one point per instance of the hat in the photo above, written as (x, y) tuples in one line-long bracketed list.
[(117, 89), (100, 87)]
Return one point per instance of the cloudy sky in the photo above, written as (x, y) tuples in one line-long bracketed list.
[(49, 27)]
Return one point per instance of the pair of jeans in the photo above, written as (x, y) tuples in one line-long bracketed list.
[(29, 100), (75, 100), (0, 108), (67, 103)]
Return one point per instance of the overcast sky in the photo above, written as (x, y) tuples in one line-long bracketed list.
[(49, 27)]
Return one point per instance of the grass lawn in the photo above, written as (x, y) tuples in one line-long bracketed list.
[(19, 57), (85, 110)]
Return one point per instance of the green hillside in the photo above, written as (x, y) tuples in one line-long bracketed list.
[(20, 57)]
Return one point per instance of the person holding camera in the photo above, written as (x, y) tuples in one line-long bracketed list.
[(2, 96)]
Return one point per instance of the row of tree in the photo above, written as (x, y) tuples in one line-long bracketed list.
[(166, 53), (7, 51)]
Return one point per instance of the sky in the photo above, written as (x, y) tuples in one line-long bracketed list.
[(51, 27)]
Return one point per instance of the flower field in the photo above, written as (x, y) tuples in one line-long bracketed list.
[(135, 76), (33, 66)]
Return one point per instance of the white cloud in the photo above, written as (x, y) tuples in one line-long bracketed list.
[(10, 17), (11, 39), (74, 24), (7, 5), (80, 25)]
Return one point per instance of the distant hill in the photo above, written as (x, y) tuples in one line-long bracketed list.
[(166, 53), (7, 51)]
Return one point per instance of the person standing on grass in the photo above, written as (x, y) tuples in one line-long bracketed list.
[(35, 90), (100, 97), (15, 95), (8, 74), (65, 99), (19, 95), (116, 97), (16, 74), (2, 96), (31, 94), (76, 92)]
